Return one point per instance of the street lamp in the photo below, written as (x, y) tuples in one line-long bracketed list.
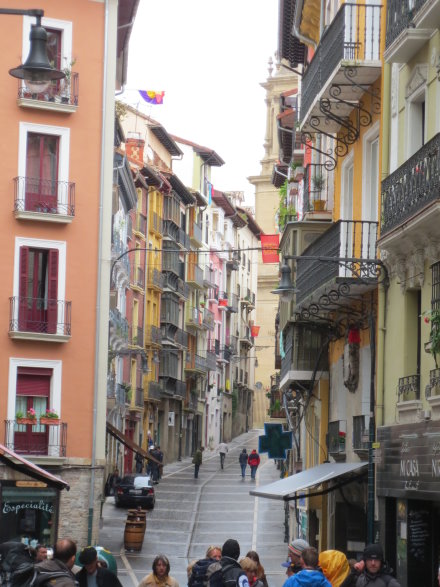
[(286, 289), (36, 71)]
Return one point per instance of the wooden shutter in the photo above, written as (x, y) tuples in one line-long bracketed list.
[(33, 382), (52, 291), (23, 288)]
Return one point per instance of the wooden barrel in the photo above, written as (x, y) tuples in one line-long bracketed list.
[(134, 535), (137, 516)]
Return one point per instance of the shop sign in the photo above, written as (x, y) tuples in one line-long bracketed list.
[(30, 484), (16, 507), (408, 459)]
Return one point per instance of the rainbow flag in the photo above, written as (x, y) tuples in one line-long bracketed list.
[(152, 97)]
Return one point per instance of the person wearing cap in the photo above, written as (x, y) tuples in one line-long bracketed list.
[(310, 575), (296, 548), (93, 574), (376, 572)]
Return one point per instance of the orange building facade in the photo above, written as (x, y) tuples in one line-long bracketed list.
[(55, 225)]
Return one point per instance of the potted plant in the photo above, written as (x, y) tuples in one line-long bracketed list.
[(30, 418), (66, 83), (50, 418), (318, 186)]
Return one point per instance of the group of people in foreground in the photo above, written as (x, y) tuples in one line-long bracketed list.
[(306, 567)]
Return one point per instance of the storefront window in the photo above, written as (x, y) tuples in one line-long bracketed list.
[(28, 514)]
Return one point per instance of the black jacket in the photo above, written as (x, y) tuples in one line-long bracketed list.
[(104, 578)]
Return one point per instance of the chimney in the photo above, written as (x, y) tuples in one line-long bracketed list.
[(134, 147)]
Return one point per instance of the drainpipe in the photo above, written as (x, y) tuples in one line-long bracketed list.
[(99, 278), (296, 24)]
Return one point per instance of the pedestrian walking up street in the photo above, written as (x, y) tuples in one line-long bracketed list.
[(197, 461), (254, 461), (230, 573), (243, 460), (222, 449), (199, 572), (160, 577)]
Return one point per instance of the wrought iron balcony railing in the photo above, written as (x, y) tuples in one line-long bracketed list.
[(40, 315), (192, 402), (139, 397), (181, 338), (153, 390), (353, 36), (195, 274), (155, 278), (137, 277), (315, 188), (180, 389), (153, 335), (194, 317), (360, 433), (434, 383), (36, 440), (195, 232), (400, 16), (350, 240), (208, 319), (156, 222), (408, 388), (410, 187), (337, 433), (183, 239), (44, 196), (232, 302), (64, 91), (211, 361), (136, 335)]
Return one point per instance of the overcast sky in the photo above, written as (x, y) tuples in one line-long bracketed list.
[(210, 58)]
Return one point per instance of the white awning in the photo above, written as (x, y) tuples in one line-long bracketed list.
[(309, 478)]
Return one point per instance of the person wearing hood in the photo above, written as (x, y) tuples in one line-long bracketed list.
[(376, 572), (334, 565), (311, 575)]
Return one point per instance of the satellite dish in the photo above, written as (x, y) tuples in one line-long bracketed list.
[(259, 385)]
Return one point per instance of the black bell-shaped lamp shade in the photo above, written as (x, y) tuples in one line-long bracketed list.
[(37, 71), (286, 289)]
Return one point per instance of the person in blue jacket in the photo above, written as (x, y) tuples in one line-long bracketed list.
[(311, 575)]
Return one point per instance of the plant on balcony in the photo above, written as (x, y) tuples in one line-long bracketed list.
[(275, 408), (65, 91), (286, 210), (318, 185), (29, 418), (50, 418), (433, 317)]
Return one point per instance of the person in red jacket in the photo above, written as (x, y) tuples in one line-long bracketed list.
[(254, 461)]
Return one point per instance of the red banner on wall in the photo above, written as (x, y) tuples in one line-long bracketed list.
[(269, 248)]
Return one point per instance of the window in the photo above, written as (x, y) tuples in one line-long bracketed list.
[(43, 161), (415, 106), (38, 290)]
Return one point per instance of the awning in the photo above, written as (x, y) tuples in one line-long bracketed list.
[(129, 443), (19, 463), (285, 488)]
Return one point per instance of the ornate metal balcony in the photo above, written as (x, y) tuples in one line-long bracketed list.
[(194, 317), (414, 185), (153, 335), (39, 318), (139, 397), (352, 243), (208, 319), (180, 390), (408, 388), (183, 239), (35, 197), (156, 223), (154, 389), (36, 440), (118, 329), (155, 279), (315, 188), (136, 335), (345, 64), (137, 277), (195, 275), (192, 401), (61, 95)]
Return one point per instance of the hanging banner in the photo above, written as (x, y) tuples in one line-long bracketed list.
[(269, 248)]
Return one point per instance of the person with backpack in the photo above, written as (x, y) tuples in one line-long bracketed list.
[(376, 572), (199, 571), (197, 461), (228, 572), (58, 571), (243, 460), (254, 461)]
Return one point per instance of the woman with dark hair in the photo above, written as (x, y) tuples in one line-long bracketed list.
[(261, 575), (160, 577)]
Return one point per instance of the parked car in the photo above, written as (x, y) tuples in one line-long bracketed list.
[(135, 490)]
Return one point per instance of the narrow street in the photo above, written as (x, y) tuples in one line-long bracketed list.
[(191, 514)]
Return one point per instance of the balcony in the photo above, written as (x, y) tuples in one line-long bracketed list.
[(410, 24), (345, 64), (136, 336), (181, 338), (118, 330), (195, 233), (137, 278), (155, 279), (183, 239), (209, 277), (61, 96), (37, 440), (408, 388), (169, 310), (44, 200), (245, 337), (211, 361), (411, 201), (361, 435), (232, 303), (195, 276), (153, 391), (169, 364), (232, 343), (139, 397), (180, 390), (233, 262), (208, 319), (194, 318), (153, 336), (352, 243), (337, 434), (39, 319), (248, 299), (302, 350), (195, 363), (156, 223), (140, 224), (192, 402), (116, 391)]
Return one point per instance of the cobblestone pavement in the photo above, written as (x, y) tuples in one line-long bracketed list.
[(191, 514)]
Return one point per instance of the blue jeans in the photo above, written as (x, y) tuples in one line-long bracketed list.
[(196, 471), (253, 471), (243, 470)]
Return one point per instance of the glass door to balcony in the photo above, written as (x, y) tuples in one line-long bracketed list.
[(346, 250), (41, 172)]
